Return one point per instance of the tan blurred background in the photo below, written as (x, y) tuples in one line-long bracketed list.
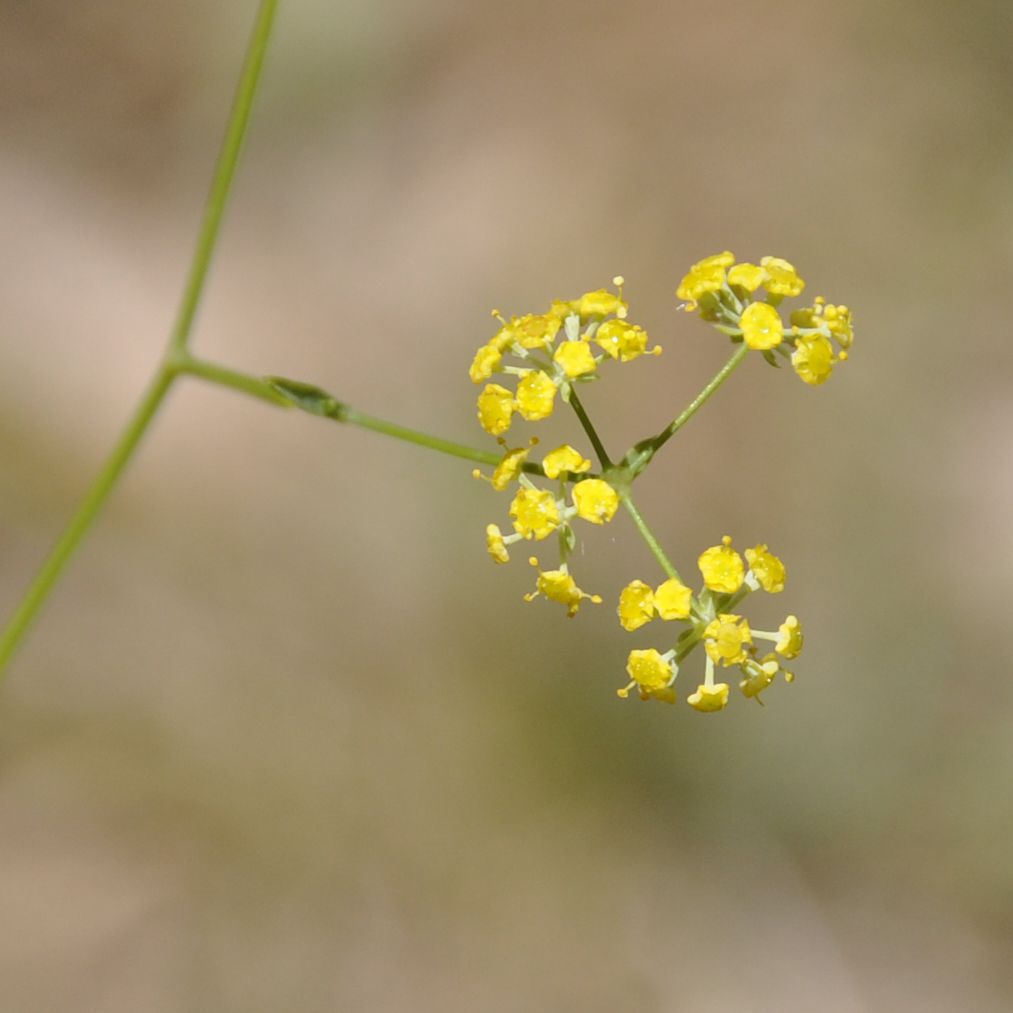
[(284, 739)]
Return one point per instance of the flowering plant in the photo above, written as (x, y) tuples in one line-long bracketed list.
[(541, 359), (550, 354)]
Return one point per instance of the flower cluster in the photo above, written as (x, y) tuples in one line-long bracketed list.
[(728, 295), (538, 513), (727, 637), (547, 354), (538, 356), (551, 352)]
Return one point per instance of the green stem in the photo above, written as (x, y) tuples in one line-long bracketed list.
[(225, 377), (642, 453), (224, 172), (420, 439), (79, 524), (648, 535), (175, 360), (592, 433)]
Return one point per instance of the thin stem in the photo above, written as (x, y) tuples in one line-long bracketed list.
[(175, 360), (420, 439), (225, 377), (646, 449), (648, 535), (79, 524), (225, 168), (592, 433)]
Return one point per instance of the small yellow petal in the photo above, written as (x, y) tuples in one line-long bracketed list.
[(708, 699), (535, 513), (495, 409), (564, 458), (495, 545), (536, 395), (767, 568), (762, 328), (575, 358), (782, 277), (673, 600), (596, 501), (636, 605), (722, 568)]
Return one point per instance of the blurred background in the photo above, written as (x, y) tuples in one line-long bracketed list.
[(284, 739)]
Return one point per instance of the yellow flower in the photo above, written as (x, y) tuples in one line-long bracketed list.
[(652, 673), (758, 675), (504, 337), (726, 639), (495, 408), (596, 501), (558, 585), (722, 567), (636, 606), (813, 358), (673, 600), (536, 330), (747, 276), (789, 643), (623, 341), (707, 275), (509, 467), (535, 513), (562, 308), (536, 393), (495, 545), (486, 362), (600, 303), (782, 277), (709, 698), (575, 358), (761, 326), (564, 458), (838, 320), (767, 568)]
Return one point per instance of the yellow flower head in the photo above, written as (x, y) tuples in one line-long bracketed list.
[(727, 638), (782, 278), (558, 585), (747, 276), (623, 341), (535, 513), (536, 395), (536, 330), (495, 408), (636, 606), (813, 359), (838, 320), (652, 673), (562, 308), (789, 642), (564, 458), (575, 358), (707, 699), (486, 362), (673, 600), (707, 275), (504, 337), (761, 326), (767, 568), (601, 303), (495, 545), (509, 467), (596, 501), (758, 675), (722, 567)]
